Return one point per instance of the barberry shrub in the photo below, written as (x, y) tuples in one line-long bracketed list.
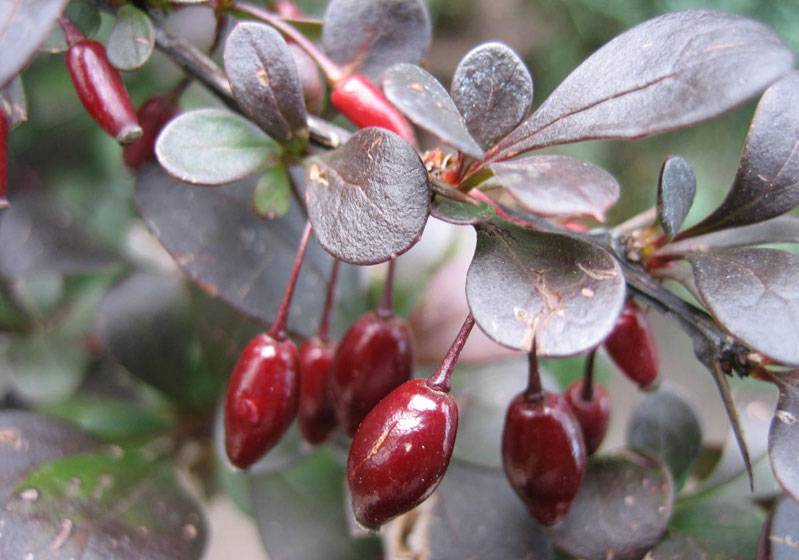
[(126, 377)]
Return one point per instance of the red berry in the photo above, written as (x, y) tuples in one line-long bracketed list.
[(153, 115), (401, 451), (593, 415), (358, 99), (316, 415), (543, 454), (3, 159), (102, 91), (632, 346), (262, 398), (374, 357)]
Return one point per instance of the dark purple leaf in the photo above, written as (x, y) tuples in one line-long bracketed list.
[(460, 212), (669, 72), (265, 81), (676, 191), (38, 236), (522, 284), (377, 34), (767, 182), (214, 147), (782, 229), (132, 39), (218, 239), (424, 100), (753, 294), (475, 514), (621, 510), (13, 103), (24, 25), (555, 185), (493, 91), (781, 540), (783, 439), (368, 200), (666, 426)]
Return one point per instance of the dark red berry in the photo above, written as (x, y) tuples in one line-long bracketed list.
[(593, 415), (543, 454), (153, 115), (362, 102), (401, 451), (262, 398), (374, 357), (102, 91), (3, 159), (632, 346), (316, 415)]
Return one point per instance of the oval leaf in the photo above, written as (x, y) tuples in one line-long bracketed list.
[(24, 25), (132, 39), (556, 185), (226, 248), (782, 537), (460, 212), (669, 72), (783, 438), (666, 426), (424, 100), (754, 294), (676, 191), (621, 510), (493, 91), (523, 284), (767, 182), (213, 147), (13, 102), (368, 200), (265, 81), (376, 35)]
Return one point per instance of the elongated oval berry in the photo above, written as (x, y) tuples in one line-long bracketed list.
[(593, 415), (632, 346), (316, 416), (362, 102), (3, 159), (543, 454), (374, 357), (262, 398), (401, 451), (102, 91), (152, 115)]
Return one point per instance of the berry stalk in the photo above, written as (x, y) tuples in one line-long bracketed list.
[(386, 308), (278, 329), (534, 391), (587, 391), (324, 323), (440, 380)]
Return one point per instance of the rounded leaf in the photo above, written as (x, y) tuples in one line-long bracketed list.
[(676, 191), (783, 439), (213, 147), (368, 200), (564, 292), (493, 91), (132, 39), (782, 531)]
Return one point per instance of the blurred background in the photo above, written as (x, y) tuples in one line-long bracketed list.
[(61, 152)]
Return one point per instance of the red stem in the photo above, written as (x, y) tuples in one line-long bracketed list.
[(71, 32), (441, 378), (386, 308), (485, 199), (587, 393), (333, 71), (278, 330), (534, 391), (324, 323)]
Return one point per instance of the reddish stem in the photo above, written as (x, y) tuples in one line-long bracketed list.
[(287, 9), (386, 308), (278, 330), (485, 199), (534, 391), (333, 71), (324, 323), (440, 380), (71, 32), (587, 393)]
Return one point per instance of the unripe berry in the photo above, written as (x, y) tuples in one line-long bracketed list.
[(593, 415), (632, 346), (316, 415)]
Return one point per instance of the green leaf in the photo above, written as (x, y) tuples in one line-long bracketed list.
[(132, 39), (213, 147), (272, 194)]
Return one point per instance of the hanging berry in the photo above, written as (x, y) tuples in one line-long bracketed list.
[(590, 404), (632, 346), (152, 115)]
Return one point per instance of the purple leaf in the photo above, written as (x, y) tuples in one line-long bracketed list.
[(783, 439), (676, 191)]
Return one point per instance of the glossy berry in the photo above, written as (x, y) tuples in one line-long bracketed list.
[(101, 90), (593, 415), (262, 398), (362, 102), (401, 451), (374, 357), (152, 115), (543, 454), (632, 346), (3, 159), (316, 416)]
